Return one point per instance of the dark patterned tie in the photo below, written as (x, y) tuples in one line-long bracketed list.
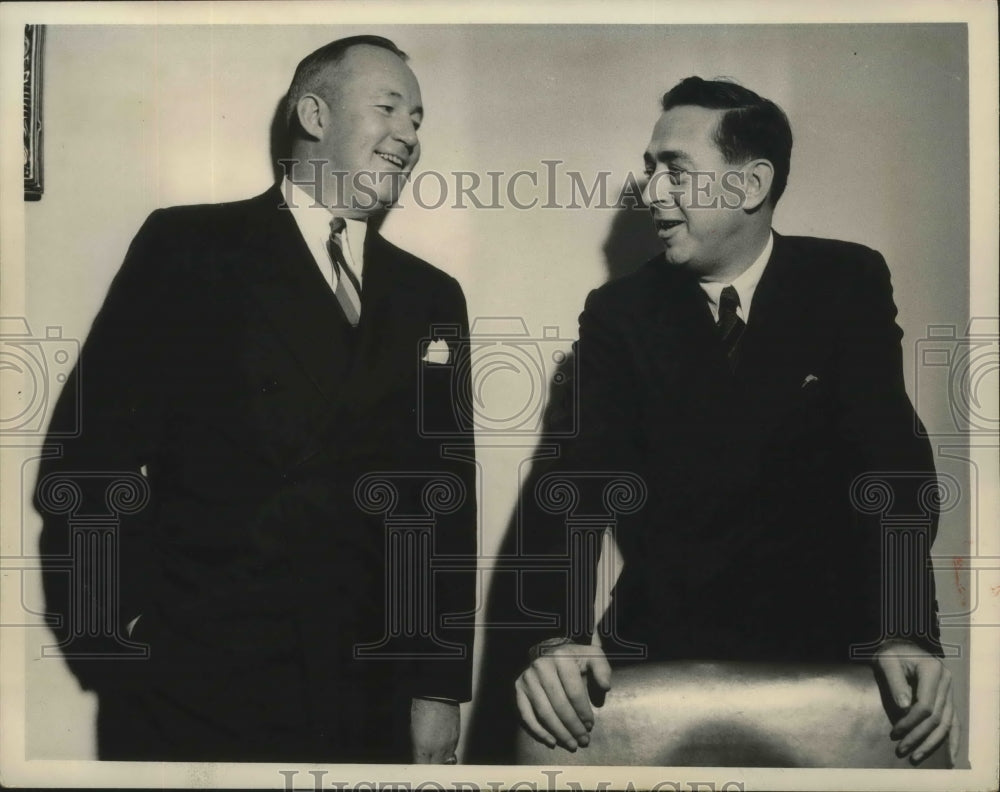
[(348, 291), (730, 326)]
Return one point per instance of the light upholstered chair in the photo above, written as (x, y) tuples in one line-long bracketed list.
[(736, 715), (691, 714)]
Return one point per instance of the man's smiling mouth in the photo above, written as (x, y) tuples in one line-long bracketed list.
[(392, 159)]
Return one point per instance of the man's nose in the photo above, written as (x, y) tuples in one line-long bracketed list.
[(657, 192), (406, 133)]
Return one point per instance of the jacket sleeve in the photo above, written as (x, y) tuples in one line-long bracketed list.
[(894, 492), (91, 491), (605, 448), (442, 664)]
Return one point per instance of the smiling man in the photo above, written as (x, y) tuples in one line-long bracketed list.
[(755, 381), (252, 362)]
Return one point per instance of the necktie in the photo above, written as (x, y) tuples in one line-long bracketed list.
[(348, 291), (730, 326)]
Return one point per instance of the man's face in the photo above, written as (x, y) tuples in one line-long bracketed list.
[(370, 141), (694, 195)]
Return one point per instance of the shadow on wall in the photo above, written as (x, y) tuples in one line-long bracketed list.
[(281, 141), (630, 242), (513, 624)]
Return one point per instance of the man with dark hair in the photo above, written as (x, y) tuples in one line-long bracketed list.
[(755, 383), (255, 366), (751, 127), (311, 73)]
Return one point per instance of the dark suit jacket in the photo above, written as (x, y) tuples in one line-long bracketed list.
[(221, 369), (751, 545)]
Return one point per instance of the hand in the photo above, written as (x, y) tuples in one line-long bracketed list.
[(552, 694), (929, 717), (434, 729)]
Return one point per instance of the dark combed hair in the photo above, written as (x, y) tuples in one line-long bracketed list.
[(752, 127), (309, 74)]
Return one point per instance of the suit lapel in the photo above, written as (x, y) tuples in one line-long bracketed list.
[(776, 306), (380, 279), (685, 335), (389, 314), (692, 388), (283, 279), (781, 345), (350, 367)]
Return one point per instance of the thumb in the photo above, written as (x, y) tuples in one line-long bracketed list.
[(600, 668), (895, 678)]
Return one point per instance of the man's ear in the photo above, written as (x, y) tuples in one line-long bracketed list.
[(759, 175), (312, 113)]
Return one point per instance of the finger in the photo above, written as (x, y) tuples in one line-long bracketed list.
[(600, 668), (551, 678), (920, 731), (436, 757), (572, 678), (535, 729), (430, 753), (543, 709), (938, 735), (928, 675), (895, 678), (422, 755), (954, 739)]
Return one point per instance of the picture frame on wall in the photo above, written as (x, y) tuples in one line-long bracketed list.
[(33, 41)]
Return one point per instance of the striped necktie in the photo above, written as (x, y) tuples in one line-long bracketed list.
[(730, 326), (348, 291)]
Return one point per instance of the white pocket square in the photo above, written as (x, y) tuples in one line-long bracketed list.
[(437, 352), (809, 380)]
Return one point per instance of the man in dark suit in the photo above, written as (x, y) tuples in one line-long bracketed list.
[(249, 392), (755, 383)]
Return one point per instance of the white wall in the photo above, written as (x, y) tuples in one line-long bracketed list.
[(141, 117)]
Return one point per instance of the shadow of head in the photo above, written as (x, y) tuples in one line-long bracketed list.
[(280, 140), (630, 243)]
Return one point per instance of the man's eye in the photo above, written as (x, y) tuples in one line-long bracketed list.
[(676, 176), (385, 108)]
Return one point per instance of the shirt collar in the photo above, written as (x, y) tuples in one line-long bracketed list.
[(745, 284), (313, 221)]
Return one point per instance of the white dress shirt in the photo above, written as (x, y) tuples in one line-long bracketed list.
[(745, 284), (314, 225)]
